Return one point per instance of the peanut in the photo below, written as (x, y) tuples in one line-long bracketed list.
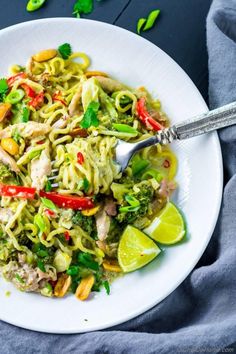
[(5, 109), (10, 146), (84, 288), (45, 55), (111, 267), (62, 285)]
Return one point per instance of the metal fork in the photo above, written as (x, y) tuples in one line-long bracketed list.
[(198, 125)]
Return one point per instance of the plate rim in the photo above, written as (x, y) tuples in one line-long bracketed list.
[(187, 272)]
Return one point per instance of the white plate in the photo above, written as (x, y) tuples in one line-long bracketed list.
[(135, 62)]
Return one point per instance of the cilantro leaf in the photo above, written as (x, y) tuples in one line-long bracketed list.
[(90, 116), (107, 287), (82, 7), (65, 50), (86, 185)]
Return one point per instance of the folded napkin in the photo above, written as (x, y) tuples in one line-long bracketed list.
[(199, 316)]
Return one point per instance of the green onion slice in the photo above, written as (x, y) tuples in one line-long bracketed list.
[(15, 96), (34, 5), (140, 24), (151, 19)]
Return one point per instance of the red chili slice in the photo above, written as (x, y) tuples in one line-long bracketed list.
[(68, 201), (12, 79), (17, 191), (29, 91), (80, 158), (145, 117)]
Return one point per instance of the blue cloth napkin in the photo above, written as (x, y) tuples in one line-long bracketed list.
[(200, 316)]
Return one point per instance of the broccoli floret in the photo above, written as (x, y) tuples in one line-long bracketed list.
[(144, 193), (6, 175), (87, 223)]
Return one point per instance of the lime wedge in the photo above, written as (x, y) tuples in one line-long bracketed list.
[(168, 227), (135, 249)]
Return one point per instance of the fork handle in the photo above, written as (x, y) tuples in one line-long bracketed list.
[(218, 118)]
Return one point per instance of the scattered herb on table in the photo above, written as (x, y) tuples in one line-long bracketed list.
[(34, 5), (144, 24), (82, 7)]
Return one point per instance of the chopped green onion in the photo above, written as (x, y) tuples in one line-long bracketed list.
[(128, 208), (124, 128), (15, 96), (151, 19), (153, 174), (41, 266), (39, 221), (73, 270), (16, 135), (65, 50), (131, 200), (49, 204), (140, 24), (25, 115), (34, 154), (34, 5), (86, 185), (138, 165), (48, 186), (87, 260), (107, 287), (18, 277)]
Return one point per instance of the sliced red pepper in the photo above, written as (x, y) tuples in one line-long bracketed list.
[(17, 191), (49, 213), (67, 235), (58, 97), (145, 117), (37, 101), (80, 158), (12, 79), (68, 201), (29, 91), (40, 142)]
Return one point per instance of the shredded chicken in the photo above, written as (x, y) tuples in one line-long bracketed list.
[(29, 130), (110, 85), (60, 123), (5, 215), (8, 160), (110, 207), (103, 222), (166, 188), (25, 277), (40, 169), (74, 107)]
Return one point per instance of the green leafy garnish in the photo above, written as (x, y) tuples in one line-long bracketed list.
[(87, 260), (73, 270), (41, 265), (39, 221), (151, 19), (3, 88), (25, 115), (49, 204), (82, 7), (65, 50), (90, 117), (86, 185), (18, 277), (140, 24), (48, 186), (107, 287)]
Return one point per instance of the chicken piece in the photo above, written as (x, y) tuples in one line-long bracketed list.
[(166, 188), (103, 222), (26, 130), (5, 215), (8, 160), (110, 207), (74, 106), (40, 169), (60, 123), (110, 85)]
